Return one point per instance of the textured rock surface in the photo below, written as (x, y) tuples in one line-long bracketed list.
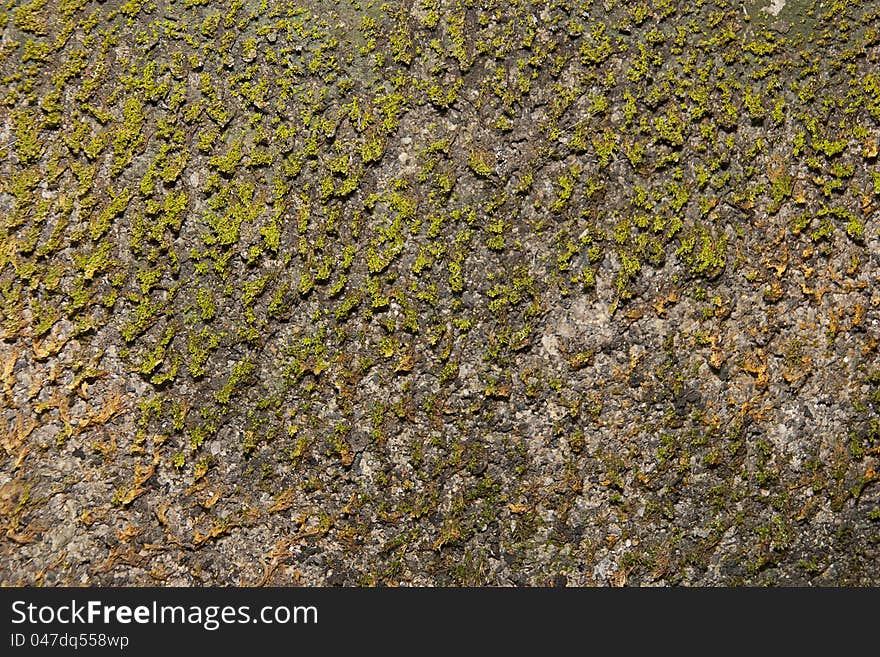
[(439, 293)]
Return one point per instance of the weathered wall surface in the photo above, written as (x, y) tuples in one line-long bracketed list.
[(439, 293)]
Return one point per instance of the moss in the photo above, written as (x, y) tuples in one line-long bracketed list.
[(240, 373), (26, 136), (705, 254), (206, 303), (101, 223), (481, 163), (98, 261), (319, 250), (670, 129)]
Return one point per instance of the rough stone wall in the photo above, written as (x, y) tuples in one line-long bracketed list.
[(439, 293)]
